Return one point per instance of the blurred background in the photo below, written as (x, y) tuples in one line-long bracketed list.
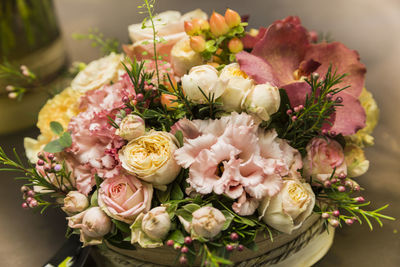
[(368, 26)]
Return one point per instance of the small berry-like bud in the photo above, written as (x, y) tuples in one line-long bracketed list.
[(184, 250), (327, 184), (125, 99), (58, 167), (218, 24), (356, 188), (329, 96), (139, 97), (12, 95), (240, 247), (133, 102), (333, 133), (234, 236), (301, 107), (170, 243), (360, 199), (325, 215), (10, 88), (289, 111), (182, 260), (334, 223), (334, 180), (296, 109), (29, 199), (31, 193), (229, 247), (349, 221), (336, 213), (348, 184), (24, 189), (33, 203), (342, 175), (232, 18), (324, 131), (191, 28), (339, 99), (40, 162), (315, 76), (235, 45), (197, 43), (294, 118), (188, 240), (341, 188), (25, 205), (50, 156)]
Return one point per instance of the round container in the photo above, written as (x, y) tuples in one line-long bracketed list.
[(303, 247)]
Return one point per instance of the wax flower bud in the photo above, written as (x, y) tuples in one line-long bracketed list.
[(232, 18), (235, 45), (197, 43), (218, 24)]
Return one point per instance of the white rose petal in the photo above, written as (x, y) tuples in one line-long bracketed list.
[(262, 101), (156, 223)]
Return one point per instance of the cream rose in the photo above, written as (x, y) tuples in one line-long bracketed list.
[(150, 229), (93, 224), (98, 73), (238, 86), (207, 222), (355, 159), (287, 210), (262, 101), (124, 197), (75, 202), (183, 57), (131, 127), (151, 158), (206, 78)]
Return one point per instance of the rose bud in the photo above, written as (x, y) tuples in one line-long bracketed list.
[(235, 45), (75, 202), (131, 127), (156, 223), (197, 43), (168, 101), (262, 101), (232, 18), (218, 24), (93, 224), (201, 23), (208, 222)]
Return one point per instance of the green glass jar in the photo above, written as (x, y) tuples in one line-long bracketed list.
[(29, 35)]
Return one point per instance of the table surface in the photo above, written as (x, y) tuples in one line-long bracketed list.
[(368, 26)]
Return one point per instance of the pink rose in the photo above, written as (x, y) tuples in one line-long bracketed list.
[(124, 197), (93, 224), (323, 156)]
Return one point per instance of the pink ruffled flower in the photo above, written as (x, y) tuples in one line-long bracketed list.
[(323, 156), (220, 162), (284, 54), (124, 197)]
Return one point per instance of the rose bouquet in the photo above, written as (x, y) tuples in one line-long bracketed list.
[(202, 136)]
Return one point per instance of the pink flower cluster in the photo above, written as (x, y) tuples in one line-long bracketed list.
[(233, 156)]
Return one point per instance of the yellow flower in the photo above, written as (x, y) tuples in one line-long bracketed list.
[(60, 108), (363, 137), (151, 158)]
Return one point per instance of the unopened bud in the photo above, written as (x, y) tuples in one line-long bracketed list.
[(235, 45), (232, 18), (190, 28), (197, 43), (167, 100), (218, 24), (201, 24)]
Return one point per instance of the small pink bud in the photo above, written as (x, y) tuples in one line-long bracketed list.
[(133, 102), (341, 188), (235, 45), (334, 180), (325, 215), (229, 247), (182, 260), (329, 96), (24, 189), (348, 184), (29, 199), (327, 184), (334, 223), (342, 175), (356, 188), (58, 167), (360, 199), (25, 205), (184, 250), (33, 203), (188, 240), (289, 111), (339, 99), (218, 24), (197, 43), (349, 221), (50, 156), (125, 99), (234, 236), (170, 243), (313, 36), (294, 118), (40, 162), (12, 95), (139, 97), (31, 193), (336, 213), (10, 88), (232, 18), (240, 247), (296, 109), (333, 133), (324, 131)]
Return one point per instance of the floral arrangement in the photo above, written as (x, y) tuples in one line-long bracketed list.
[(202, 135)]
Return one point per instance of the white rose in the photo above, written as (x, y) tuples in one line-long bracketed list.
[(207, 222), (355, 159), (151, 158), (183, 58), (238, 85), (93, 224), (75, 202), (156, 223), (205, 77), (131, 127), (287, 210), (263, 100), (98, 73)]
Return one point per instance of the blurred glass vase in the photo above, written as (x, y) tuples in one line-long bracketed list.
[(29, 36)]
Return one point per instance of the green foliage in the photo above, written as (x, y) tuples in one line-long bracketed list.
[(106, 45), (64, 141)]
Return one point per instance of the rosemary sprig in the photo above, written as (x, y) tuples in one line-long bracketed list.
[(106, 45)]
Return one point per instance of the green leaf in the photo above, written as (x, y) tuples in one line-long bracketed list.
[(98, 180), (53, 147), (176, 193), (93, 200), (184, 214), (56, 127), (228, 217), (65, 140), (164, 196), (191, 207), (177, 236), (124, 227), (243, 220), (179, 137)]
